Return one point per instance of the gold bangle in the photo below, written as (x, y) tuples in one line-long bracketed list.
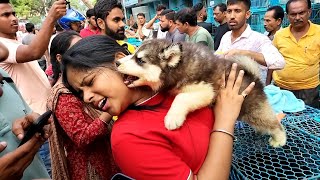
[(225, 132)]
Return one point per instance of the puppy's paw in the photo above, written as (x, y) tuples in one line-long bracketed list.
[(277, 142), (174, 121)]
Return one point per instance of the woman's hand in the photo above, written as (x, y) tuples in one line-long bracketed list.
[(229, 100)]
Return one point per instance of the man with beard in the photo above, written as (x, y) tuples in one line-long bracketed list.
[(167, 25), (202, 17), (241, 40), (299, 44), (155, 26), (109, 18)]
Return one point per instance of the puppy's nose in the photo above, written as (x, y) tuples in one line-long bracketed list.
[(118, 63)]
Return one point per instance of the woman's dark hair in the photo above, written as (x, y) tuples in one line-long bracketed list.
[(59, 45), (90, 53)]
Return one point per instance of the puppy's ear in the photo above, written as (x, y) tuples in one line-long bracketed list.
[(119, 55), (172, 54)]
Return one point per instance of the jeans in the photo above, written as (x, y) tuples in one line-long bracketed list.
[(44, 152)]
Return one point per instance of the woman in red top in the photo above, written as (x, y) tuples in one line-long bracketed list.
[(141, 145), (80, 131)]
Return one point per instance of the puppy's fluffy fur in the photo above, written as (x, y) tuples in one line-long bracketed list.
[(193, 73)]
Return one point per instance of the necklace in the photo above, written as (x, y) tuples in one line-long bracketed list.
[(147, 99)]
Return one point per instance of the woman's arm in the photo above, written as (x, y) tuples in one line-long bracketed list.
[(78, 125), (227, 108)]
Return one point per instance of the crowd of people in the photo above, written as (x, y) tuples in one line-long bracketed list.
[(100, 126)]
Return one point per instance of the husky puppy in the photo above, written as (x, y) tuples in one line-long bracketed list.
[(193, 73)]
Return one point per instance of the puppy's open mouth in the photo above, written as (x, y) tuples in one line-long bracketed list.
[(128, 79)]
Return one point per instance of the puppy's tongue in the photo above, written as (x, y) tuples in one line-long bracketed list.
[(129, 79)]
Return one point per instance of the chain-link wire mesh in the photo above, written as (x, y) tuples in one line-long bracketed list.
[(253, 158)]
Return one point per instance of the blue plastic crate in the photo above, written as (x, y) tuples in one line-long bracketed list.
[(260, 3), (306, 121), (234, 174), (256, 19), (309, 112), (253, 158)]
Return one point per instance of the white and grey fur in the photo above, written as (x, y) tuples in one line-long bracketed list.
[(193, 73)]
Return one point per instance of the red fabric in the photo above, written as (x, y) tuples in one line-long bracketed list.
[(144, 149), (49, 70), (87, 32), (86, 138)]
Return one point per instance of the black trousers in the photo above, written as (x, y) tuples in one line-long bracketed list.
[(309, 96)]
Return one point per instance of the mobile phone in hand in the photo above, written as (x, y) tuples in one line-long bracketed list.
[(37, 127)]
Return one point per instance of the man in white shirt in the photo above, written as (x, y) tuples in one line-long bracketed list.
[(142, 33), (241, 40), (155, 26)]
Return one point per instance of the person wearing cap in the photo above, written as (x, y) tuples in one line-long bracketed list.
[(73, 20)]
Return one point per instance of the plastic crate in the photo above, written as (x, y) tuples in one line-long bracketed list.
[(256, 19), (253, 158), (315, 16), (260, 3), (309, 112), (234, 174), (306, 121)]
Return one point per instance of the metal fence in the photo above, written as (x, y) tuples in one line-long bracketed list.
[(253, 158)]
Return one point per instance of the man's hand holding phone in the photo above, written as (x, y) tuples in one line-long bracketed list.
[(22, 124), (13, 164)]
